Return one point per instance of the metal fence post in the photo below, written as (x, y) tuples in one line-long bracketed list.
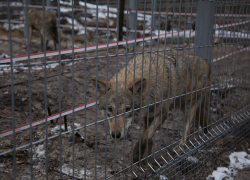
[(48, 3), (132, 21), (204, 30), (26, 25)]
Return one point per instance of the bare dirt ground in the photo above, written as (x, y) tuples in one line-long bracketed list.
[(99, 155)]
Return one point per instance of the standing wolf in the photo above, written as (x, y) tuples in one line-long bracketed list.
[(36, 23), (174, 78)]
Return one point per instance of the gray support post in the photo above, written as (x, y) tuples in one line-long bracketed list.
[(204, 30), (48, 3), (132, 21), (24, 10)]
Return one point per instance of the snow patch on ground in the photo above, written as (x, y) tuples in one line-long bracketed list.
[(238, 160), (16, 4), (3, 55), (100, 7), (57, 128), (66, 3), (193, 159), (64, 10), (77, 25), (12, 26), (93, 6), (163, 177), (3, 68), (39, 151), (79, 173)]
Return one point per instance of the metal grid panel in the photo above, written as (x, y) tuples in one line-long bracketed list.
[(149, 87)]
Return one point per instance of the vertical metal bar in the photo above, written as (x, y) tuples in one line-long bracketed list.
[(85, 92), (73, 90), (124, 125), (233, 61), (133, 107), (96, 62), (176, 73), (26, 26), (140, 116), (247, 55), (121, 17), (191, 102), (45, 89), (132, 21), (153, 3), (246, 81), (149, 99), (12, 93), (116, 83), (106, 114), (170, 68), (205, 10), (183, 60), (59, 88), (208, 78), (240, 82), (163, 77), (227, 28), (158, 41), (238, 57), (210, 31), (29, 87), (48, 2), (215, 67)]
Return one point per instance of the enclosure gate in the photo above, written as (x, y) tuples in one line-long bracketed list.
[(145, 89)]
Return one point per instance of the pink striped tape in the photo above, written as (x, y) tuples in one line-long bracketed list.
[(49, 118), (89, 48), (230, 54)]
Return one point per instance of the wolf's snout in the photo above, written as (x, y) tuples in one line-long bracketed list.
[(117, 134)]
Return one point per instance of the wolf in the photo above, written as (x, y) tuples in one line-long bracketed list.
[(36, 23), (166, 81)]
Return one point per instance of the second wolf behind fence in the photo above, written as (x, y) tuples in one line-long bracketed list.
[(36, 23), (160, 83)]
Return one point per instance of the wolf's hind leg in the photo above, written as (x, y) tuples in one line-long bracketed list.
[(205, 121), (189, 118)]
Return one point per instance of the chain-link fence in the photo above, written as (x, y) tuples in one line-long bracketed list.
[(147, 89)]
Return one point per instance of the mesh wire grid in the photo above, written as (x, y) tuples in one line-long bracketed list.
[(51, 125)]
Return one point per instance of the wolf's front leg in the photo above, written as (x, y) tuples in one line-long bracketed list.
[(140, 148), (146, 138)]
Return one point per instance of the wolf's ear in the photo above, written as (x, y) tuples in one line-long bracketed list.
[(139, 84), (101, 86)]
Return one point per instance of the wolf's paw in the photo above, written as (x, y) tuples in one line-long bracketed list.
[(179, 147), (136, 154)]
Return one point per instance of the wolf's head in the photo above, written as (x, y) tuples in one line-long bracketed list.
[(119, 100)]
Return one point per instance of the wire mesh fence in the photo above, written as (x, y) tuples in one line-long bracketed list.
[(146, 89)]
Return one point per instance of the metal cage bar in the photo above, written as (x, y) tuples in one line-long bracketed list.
[(161, 99)]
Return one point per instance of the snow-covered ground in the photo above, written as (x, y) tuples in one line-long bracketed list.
[(238, 161)]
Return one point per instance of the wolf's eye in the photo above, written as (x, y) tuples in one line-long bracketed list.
[(128, 109), (110, 109)]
